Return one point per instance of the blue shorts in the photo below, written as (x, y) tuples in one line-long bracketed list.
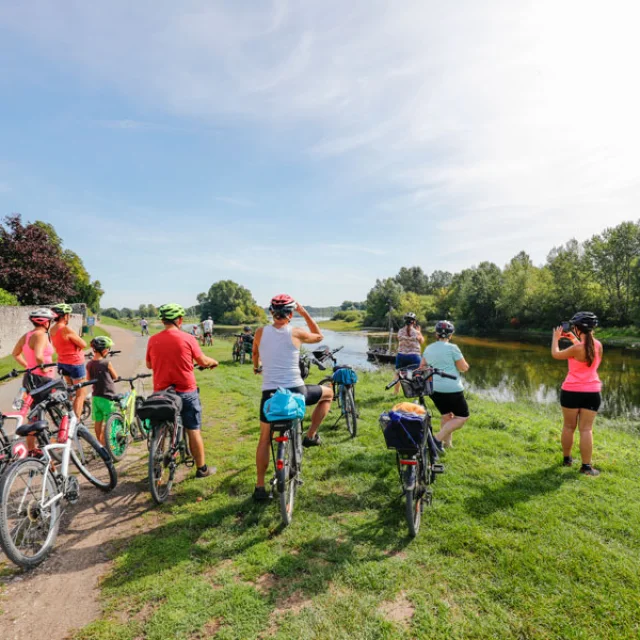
[(191, 410), (73, 371), (407, 359)]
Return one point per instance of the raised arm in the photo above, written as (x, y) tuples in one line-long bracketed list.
[(313, 335), (563, 354)]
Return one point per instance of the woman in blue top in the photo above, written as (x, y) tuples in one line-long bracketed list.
[(447, 394)]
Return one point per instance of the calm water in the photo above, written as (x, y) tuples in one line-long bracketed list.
[(508, 371)]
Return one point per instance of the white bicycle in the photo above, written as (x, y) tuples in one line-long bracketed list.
[(32, 489)]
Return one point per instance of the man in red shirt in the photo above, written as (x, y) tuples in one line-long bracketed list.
[(170, 355)]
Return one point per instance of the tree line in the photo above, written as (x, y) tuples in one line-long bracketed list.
[(36, 269), (601, 275)]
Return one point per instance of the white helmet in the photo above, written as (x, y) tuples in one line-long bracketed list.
[(41, 316)]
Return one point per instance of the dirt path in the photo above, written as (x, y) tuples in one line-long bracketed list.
[(62, 594)]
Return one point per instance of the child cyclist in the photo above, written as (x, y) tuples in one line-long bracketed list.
[(104, 390)]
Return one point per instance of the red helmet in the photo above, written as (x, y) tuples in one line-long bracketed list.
[(282, 304)]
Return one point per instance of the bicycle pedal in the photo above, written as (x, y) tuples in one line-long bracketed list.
[(189, 462), (437, 467)]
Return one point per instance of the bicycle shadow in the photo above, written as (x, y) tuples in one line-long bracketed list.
[(521, 489)]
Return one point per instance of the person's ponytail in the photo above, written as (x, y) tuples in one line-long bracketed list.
[(589, 348)]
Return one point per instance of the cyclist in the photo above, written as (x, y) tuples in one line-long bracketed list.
[(410, 340), (247, 339), (195, 331), (170, 355), (207, 328), (104, 390), (144, 327), (277, 347), (448, 395), (580, 393), (70, 349), (34, 348)]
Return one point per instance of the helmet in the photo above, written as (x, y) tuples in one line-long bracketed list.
[(42, 316), (247, 328), (409, 316), (282, 305), (61, 309), (100, 343), (171, 311), (585, 320), (444, 328), (209, 318)]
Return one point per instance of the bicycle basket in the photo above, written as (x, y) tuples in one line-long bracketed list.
[(403, 431), (416, 385), (344, 375), (42, 392), (161, 406)]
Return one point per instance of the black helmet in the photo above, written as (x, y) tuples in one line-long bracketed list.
[(585, 320), (247, 328), (444, 328)]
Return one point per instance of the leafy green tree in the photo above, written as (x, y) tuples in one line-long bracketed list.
[(125, 312), (7, 299), (413, 279), (385, 293), (477, 293), (111, 312), (230, 303), (439, 280)]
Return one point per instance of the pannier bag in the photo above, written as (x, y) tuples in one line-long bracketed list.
[(403, 431), (345, 375), (161, 406), (416, 385), (305, 365), (284, 405)]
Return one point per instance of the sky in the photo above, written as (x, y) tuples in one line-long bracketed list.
[(313, 146)]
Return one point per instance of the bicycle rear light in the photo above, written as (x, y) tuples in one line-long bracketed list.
[(20, 450)]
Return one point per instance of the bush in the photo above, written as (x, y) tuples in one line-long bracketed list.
[(349, 316), (7, 299)]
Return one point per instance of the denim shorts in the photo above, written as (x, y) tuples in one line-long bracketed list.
[(407, 360), (191, 410), (73, 371)]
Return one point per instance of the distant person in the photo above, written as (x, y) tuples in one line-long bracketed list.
[(32, 349), (580, 393), (170, 355), (448, 395), (70, 349), (277, 348), (410, 340), (195, 331), (104, 390), (144, 327), (207, 327)]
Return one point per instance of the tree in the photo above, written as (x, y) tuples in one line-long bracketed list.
[(413, 279), (31, 266), (143, 311), (7, 299), (111, 312), (477, 293), (125, 312), (86, 292), (440, 280), (384, 293), (230, 303)]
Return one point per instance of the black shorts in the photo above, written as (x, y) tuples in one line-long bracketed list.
[(454, 403), (580, 400), (312, 394)]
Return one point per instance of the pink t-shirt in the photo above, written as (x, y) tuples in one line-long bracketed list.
[(582, 377), (30, 356)]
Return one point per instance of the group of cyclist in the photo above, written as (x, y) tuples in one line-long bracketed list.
[(172, 353)]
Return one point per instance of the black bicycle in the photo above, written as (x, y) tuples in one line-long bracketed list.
[(411, 435), (342, 381), (286, 451)]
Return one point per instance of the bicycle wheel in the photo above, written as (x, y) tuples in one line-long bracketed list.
[(116, 436), (412, 504), (349, 410), (86, 410), (93, 460), (162, 465), (27, 531), (286, 479)]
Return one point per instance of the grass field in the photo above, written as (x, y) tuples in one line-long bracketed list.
[(515, 545), (341, 325)]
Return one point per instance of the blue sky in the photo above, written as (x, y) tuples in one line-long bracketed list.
[(312, 147)]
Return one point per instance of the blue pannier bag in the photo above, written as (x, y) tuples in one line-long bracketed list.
[(284, 405), (403, 431), (345, 375)]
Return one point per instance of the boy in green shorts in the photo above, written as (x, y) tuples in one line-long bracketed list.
[(104, 390)]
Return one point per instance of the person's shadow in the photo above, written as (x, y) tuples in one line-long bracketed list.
[(521, 489)]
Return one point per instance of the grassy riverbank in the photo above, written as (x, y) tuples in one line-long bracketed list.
[(515, 546), (341, 325)]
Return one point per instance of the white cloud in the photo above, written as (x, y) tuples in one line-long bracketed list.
[(500, 124)]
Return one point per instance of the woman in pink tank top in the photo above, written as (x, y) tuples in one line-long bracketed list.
[(580, 394), (34, 347)]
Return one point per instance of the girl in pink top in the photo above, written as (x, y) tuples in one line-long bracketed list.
[(580, 394)]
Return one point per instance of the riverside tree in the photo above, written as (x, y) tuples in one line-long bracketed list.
[(228, 302)]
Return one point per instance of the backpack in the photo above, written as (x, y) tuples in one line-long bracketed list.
[(344, 375), (284, 405), (404, 431), (161, 406)]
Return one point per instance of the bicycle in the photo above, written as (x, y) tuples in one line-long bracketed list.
[(241, 349), (144, 331), (411, 436), (169, 444), (286, 453), (342, 381), (124, 425), (208, 340), (32, 489)]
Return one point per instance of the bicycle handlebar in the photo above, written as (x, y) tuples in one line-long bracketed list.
[(14, 373), (432, 371), (86, 383), (140, 375)]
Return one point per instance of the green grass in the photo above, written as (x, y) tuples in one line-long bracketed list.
[(7, 364), (515, 545)]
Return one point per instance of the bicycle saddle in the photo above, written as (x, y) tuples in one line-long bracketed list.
[(33, 428)]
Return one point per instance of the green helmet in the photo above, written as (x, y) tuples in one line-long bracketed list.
[(100, 343), (62, 309), (171, 311)]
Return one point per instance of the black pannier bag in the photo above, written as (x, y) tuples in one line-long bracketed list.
[(161, 406), (404, 431), (42, 392)]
